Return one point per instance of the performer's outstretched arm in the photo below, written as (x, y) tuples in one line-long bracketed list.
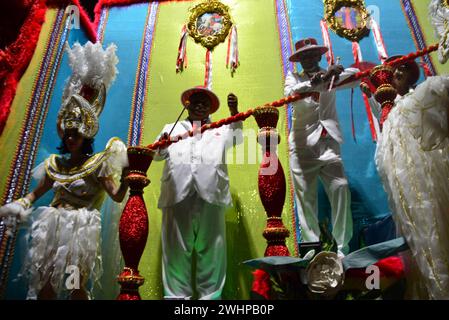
[(162, 153), (375, 106), (294, 86), (345, 75), (117, 193)]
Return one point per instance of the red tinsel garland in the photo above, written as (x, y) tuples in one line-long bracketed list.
[(394, 63), (238, 117), (244, 115), (16, 58)]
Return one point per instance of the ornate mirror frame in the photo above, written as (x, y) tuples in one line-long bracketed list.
[(211, 6), (331, 7)]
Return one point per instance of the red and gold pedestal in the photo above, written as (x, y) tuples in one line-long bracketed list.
[(382, 78), (272, 185), (133, 227)]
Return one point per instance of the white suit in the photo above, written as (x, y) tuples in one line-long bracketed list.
[(316, 154), (194, 196)]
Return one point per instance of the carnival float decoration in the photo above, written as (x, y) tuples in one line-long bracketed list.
[(347, 18), (272, 185), (209, 24)]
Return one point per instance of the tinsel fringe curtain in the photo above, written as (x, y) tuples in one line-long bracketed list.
[(15, 58)]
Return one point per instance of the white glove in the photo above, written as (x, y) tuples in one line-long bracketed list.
[(19, 209)]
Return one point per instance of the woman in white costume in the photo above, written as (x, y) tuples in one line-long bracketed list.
[(65, 236), (412, 158)]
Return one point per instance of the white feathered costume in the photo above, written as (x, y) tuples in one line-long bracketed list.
[(412, 157), (67, 233)]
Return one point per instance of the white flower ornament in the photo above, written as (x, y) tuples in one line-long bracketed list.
[(325, 274)]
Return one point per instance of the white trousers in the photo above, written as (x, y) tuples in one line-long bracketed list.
[(307, 164), (193, 224)]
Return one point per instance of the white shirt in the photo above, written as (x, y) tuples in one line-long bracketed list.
[(310, 116), (197, 164)]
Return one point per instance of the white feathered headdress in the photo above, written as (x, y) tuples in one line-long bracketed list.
[(439, 16), (94, 70)]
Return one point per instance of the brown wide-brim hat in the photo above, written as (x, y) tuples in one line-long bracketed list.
[(304, 45), (215, 102), (411, 65)]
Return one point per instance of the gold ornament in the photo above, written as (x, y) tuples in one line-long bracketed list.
[(209, 23), (335, 13), (82, 114)]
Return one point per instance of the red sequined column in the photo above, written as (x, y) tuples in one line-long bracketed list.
[(272, 185), (133, 227), (382, 77)]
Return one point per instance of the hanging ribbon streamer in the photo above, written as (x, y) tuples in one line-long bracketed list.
[(232, 58), (208, 72), (357, 53), (379, 41), (383, 55), (375, 130), (181, 61), (327, 42), (352, 115), (358, 58), (350, 23)]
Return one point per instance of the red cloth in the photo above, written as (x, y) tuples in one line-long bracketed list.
[(324, 132), (392, 267), (261, 283)]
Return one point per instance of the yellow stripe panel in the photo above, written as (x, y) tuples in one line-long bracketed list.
[(10, 137), (258, 80), (422, 12)]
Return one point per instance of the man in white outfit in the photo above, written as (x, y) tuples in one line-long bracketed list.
[(314, 144), (194, 196)]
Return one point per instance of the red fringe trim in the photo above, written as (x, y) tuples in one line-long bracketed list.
[(92, 27), (16, 58)]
